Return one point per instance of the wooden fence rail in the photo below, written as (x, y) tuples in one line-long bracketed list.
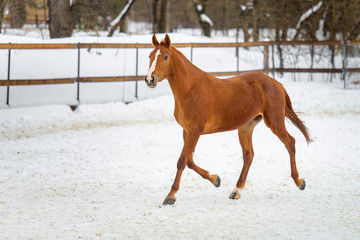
[(78, 46)]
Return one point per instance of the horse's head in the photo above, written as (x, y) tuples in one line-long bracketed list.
[(160, 59)]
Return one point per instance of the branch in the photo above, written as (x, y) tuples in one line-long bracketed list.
[(117, 21)]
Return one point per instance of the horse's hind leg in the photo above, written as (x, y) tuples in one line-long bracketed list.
[(245, 138), (277, 126)]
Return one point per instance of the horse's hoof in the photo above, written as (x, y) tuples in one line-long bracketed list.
[(234, 195), (169, 201), (303, 185), (217, 182)]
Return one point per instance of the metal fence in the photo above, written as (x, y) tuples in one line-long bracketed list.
[(273, 54)]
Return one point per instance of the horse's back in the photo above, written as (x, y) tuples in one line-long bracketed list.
[(270, 88), (273, 92)]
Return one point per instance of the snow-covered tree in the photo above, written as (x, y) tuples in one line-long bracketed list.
[(204, 20), (243, 21), (308, 22), (121, 17)]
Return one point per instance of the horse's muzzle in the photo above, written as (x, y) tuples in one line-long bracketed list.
[(152, 83)]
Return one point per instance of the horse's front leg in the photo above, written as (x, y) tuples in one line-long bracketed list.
[(190, 141), (214, 179)]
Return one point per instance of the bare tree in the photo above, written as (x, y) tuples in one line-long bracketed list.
[(2, 6), (162, 20), (342, 17), (17, 13), (204, 20), (155, 15), (121, 17), (243, 21), (256, 18), (308, 22), (61, 18)]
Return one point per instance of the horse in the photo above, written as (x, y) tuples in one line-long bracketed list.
[(205, 104)]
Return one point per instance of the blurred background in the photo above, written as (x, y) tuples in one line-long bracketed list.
[(252, 20)]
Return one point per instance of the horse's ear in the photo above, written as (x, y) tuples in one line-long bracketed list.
[(166, 42), (154, 40)]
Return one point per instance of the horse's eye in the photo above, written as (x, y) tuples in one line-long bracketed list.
[(166, 57)]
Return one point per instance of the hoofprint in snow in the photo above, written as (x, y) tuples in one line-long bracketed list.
[(102, 172)]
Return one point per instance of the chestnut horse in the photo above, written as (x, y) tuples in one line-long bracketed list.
[(205, 104)]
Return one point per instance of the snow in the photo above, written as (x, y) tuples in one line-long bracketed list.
[(308, 13), (205, 18), (103, 170)]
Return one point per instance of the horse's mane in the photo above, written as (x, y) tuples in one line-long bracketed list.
[(182, 56)]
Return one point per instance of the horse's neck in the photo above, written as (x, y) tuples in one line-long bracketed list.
[(184, 76)]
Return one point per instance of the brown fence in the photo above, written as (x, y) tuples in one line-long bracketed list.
[(267, 45)]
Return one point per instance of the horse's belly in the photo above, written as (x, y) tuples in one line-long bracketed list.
[(228, 123)]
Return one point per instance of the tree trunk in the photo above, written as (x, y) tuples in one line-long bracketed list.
[(124, 24), (17, 13), (154, 16), (243, 21), (162, 20), (2, 5), (355, 31), (204, 20), (256, 21), (121, 17), (286, 24), (61, 18), (224, 26), (277, 39)]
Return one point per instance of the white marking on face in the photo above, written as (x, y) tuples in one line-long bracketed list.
[(153, 65)]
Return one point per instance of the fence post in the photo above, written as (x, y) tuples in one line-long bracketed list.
[(78, 74), (344, 62), (191, 53), (136, 72), (8, 79), (237, 58), (266, 57)]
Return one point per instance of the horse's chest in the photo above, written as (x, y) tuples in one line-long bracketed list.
[(180, 117), (188, 117)]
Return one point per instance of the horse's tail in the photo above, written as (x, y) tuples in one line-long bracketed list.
[(291, 115)]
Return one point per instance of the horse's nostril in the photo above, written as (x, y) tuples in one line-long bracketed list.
[(152, 79)]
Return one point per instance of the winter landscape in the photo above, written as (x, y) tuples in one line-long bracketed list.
[(102, 171)]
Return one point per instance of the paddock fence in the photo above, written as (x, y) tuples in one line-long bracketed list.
[(274, 56)]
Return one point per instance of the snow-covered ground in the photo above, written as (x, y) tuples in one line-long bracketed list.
[(102, 172)]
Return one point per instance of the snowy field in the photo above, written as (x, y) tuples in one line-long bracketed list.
[(102, 172)]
